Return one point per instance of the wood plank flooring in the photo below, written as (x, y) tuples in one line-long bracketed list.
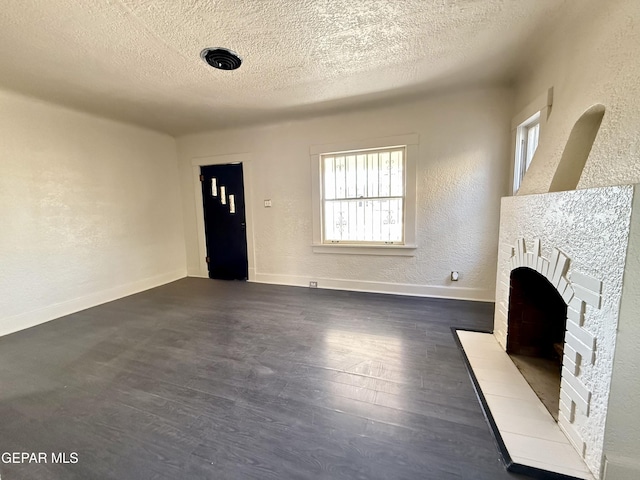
[(204, 379)]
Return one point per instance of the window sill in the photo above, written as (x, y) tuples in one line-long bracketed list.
[(383, 250)]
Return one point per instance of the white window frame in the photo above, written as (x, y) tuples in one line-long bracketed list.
[(536, 111), (411, 144), (402, 150), (523, 147)]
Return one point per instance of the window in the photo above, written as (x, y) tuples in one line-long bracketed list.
[(526, 143), (363, 196)]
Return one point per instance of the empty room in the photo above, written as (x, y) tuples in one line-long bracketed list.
[(320, 239)]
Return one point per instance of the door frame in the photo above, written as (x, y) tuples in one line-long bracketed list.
[(245, 160)]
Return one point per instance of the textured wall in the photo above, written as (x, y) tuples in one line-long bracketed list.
[(591, 59), (89, 208), (591, 227), (622, 435), (462, 172)]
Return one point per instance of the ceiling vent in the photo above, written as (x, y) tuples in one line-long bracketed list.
[(221, 58)]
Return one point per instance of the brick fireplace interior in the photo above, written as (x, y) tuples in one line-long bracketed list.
[(537, 319)]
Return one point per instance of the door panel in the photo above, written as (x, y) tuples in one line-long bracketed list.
[(224, 221)]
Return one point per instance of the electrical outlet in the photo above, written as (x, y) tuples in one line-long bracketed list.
[(455, 276), (313, 284), (267, 203)]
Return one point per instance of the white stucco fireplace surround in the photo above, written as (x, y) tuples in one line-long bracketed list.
[(586, 243)]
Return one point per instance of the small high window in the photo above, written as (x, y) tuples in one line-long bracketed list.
[(527, 136)]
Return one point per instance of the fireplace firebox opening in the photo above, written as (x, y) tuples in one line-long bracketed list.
[(537, 320)]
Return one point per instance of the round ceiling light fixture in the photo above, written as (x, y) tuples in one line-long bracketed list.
[(221, 58)]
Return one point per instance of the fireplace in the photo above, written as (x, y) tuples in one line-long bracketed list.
[(537, 317), (537, 320), (562, 260)]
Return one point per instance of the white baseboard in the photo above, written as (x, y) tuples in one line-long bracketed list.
[(621, 468), (51, 312), (197, 275), (457, 293)]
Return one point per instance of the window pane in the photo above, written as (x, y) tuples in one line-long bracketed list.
[(372, 160), (352, 221), (329, 224), (361, 189), (364, 196), (533, 133), (397, 174), (527, 136), (341, 177), (396, 220), (329, 179), (385, 175), (389, 220), (359, 220), (351, 176)]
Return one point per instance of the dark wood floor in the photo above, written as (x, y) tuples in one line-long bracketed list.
[(205, 379)]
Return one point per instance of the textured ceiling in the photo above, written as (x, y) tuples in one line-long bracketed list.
[(138, 60)]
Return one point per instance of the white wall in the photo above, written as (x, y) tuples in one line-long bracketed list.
[(591, 58), (462, 173), (90, 211)]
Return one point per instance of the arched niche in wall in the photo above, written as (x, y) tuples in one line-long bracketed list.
[(577, 150)]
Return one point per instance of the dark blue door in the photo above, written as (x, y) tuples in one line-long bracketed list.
[(224, 221)]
